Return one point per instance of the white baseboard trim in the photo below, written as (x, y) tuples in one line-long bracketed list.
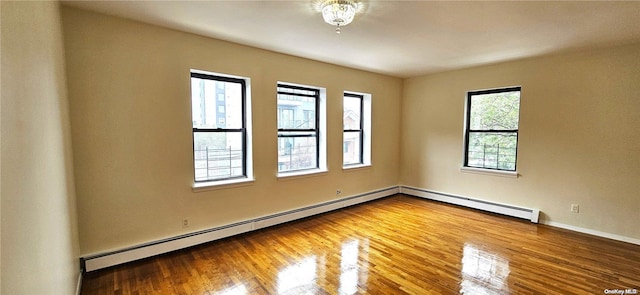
[(593, 232), (103, 260), (79, 283), (505, 209)]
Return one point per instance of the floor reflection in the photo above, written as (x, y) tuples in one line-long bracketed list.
[(299, 278), (235, 290), (483, 272), (349, 268), (318, 273)]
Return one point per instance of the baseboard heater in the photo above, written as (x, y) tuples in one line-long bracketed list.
[(103, 260), (509, 210)]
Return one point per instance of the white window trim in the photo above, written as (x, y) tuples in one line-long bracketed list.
[(355, 167), (485, 171), (301, 174), (366, 133), (221, 184)]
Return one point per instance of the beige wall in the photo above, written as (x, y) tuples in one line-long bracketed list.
[(131, 124), (579, 137), (39, 237)]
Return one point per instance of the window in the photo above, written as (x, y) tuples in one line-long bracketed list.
[(356, 143), (220, 138), (353, 135), (491, 128), (299, 128)]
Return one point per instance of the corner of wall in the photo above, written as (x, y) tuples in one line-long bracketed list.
[(36, 150)]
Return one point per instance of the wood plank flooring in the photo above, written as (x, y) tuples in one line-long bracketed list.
[(396, 245)]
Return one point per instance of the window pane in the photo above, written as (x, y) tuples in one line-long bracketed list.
[(217, 155), (495, 111), (296, 112), (296, 133), (352, 109), (297, 153), (294, 90), (492, 150), (216, 104), (351, 148)]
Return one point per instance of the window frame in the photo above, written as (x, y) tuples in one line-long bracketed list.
[(360, 130), (243, 130), (468, 131), (305, 132)]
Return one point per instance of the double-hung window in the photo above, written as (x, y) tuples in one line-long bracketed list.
[(491, 129), (356, 134), (353, 133), (219, 115), (298, 128)]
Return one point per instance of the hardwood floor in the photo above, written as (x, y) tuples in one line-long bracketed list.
[(395, 245)]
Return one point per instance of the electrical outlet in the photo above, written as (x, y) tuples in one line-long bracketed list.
[(338, 192), (575, 208), (185, 223)]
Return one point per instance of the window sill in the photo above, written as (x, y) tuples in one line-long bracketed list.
[(355, 167), (301, 174), (222, 184), (511, 174)]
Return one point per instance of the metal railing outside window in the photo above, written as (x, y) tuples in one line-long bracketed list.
[(217, 163), (492, 156)]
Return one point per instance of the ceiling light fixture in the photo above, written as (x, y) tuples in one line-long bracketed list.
[(338, 12)]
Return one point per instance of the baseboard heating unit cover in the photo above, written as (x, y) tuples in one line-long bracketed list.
[(509, 210), (103, 260)]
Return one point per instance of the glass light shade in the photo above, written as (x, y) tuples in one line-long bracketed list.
[(339, 12)]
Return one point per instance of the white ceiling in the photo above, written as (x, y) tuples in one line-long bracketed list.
[(398, 38)]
